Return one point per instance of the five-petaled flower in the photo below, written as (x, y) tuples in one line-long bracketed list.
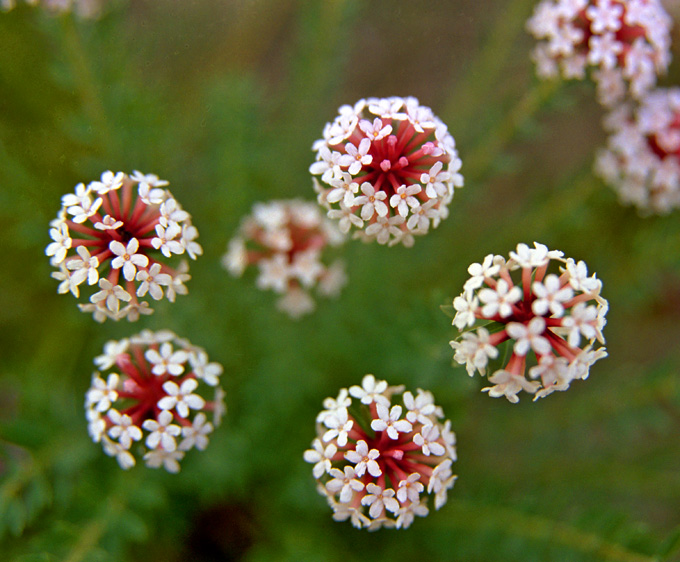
[(388, 168), (158, 396), (286, 240), (537, 314), (121, 233), (382, 468), (625, 43)]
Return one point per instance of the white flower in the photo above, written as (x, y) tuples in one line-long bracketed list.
[(508, 384), (410, 488), (356, 156), (84, 268), (371, 202), (165, 360), (339, 425), (102, 394), (388, 420), (127, 258), (551, 296), (274, 273), (529, 336), (165, 239), (61, 245), (364, 459), (109, 182), (149, 187), (500, 299), (163, 432), (345, 483), (321, 457), (404, 198), (196, 434), (474, 351), (202, 369), (582, 321), (420, 408), (110, 294), (181, 397), (123, 429), (379, 500), (371, 390), (161, 457), (427, 439), (151, 281)]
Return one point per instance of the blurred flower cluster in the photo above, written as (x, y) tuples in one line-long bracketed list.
[(286, 240), (86, 9)]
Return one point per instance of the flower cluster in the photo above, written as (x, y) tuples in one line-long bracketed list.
[(117, 236), (625, 43), (376, 467), (557, 317), (286, 240), (388, 168), (86, 9), (641, 161), (156, 394)]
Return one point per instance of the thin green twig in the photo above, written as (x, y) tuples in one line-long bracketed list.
[(537, 528)]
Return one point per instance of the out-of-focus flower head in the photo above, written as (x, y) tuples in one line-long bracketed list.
[(381, 453), (387, 168), (642, 158), (85, 9), (550, 321), (155, 397), (287, 240), (118, 237), (625, 44)]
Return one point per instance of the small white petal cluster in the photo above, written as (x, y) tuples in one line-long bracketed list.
[(641, 159), (85, 9), (154, 402), (380, 453), (118, 237), (286, 240), (387, 168), (554, 317), (624, 43)]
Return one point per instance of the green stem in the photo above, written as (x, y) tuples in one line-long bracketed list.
[(537, 528), (85, 83)]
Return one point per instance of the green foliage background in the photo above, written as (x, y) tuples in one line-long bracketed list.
[(224, 99)]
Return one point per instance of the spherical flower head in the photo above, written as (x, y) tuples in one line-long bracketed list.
[(85, 9), (155, 397), (642, 159), (387, 169), (625, 44), (288, 241), (381, 453), (542, 311), (123, 239)]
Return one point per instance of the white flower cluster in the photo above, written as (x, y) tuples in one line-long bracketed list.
[(388, 168), (377, 458), (286, 240), (556, 317), (625, 43), (152, 403), (85, 9), (641, 159), (118, 235)]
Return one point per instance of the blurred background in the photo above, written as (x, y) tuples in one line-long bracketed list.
[(224, 100)]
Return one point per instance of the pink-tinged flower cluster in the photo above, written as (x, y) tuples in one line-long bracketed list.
[(118, 237), (151, 399), (550, 321), (625, 44), (286, 240), (642, 158), (380, 453), (388, 168), (85, 9)]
